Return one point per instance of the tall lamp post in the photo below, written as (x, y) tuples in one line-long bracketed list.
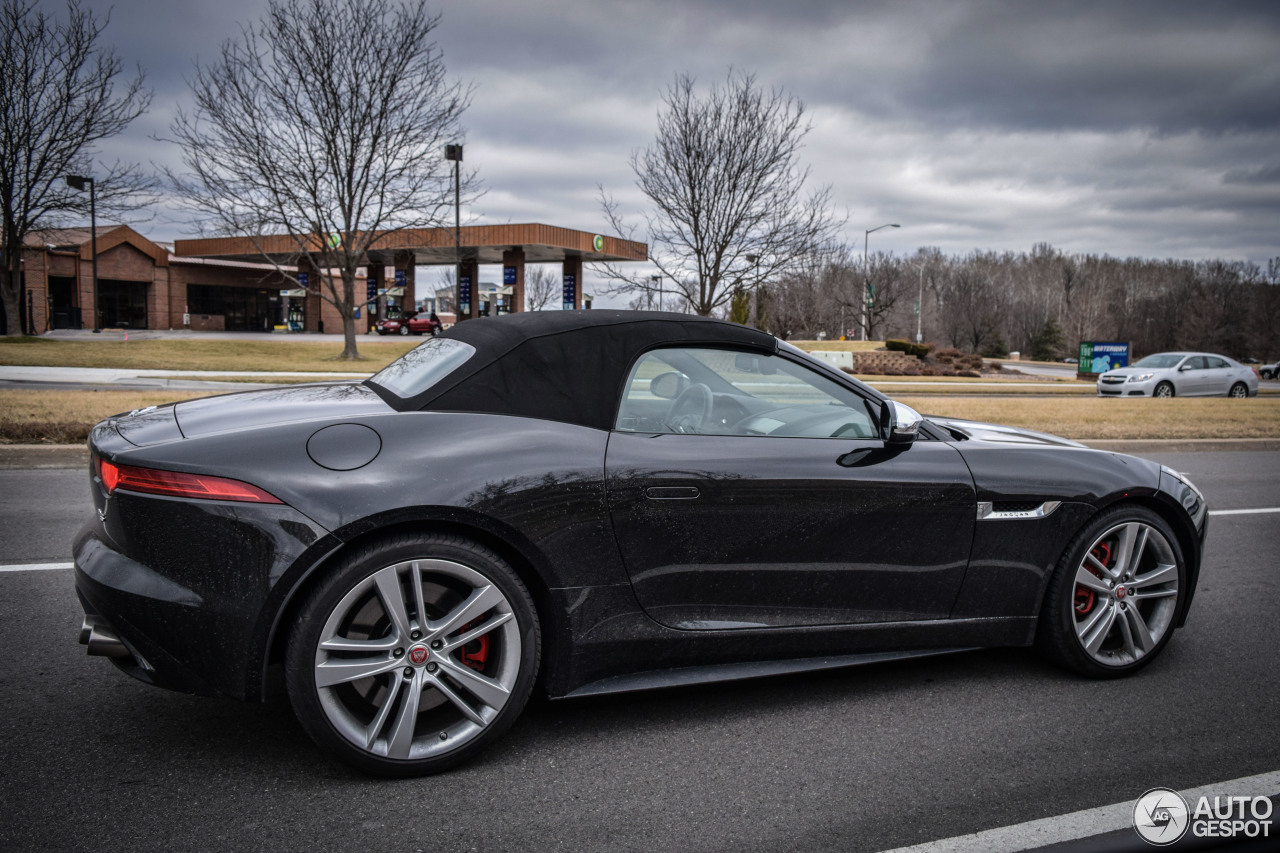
[(754, 260), (920, 308), (77, 182), (657, 279), (866, 275), (453, 153)]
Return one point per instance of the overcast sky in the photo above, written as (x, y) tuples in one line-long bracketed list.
[(1129, 128)]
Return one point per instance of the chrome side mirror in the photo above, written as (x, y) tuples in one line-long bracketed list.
[(668, 385), (899, 424)]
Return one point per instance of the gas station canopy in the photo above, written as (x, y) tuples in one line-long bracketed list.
[(483, 244)]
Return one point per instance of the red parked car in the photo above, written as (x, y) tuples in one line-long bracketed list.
[(409, 324)]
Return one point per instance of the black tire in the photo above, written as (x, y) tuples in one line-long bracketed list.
[(1164, 389), (1151, 598), (404, 329), (459, 707), (1238, 390)]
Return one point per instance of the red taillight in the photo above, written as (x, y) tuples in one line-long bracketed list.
[(110, 475), (175, 484)]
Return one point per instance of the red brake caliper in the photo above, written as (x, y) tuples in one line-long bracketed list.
[(475, 653), (1085, 598)]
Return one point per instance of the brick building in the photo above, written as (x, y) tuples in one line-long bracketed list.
[(222, 284)]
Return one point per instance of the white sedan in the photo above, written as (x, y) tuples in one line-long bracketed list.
[(1180, 374)]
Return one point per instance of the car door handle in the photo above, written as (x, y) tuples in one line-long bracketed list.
[(671, 493)]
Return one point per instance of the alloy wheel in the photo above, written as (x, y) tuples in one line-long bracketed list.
[(1126, 594), (417, 659)]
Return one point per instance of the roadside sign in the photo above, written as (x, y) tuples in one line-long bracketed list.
[(1100, 356), (570, 291)]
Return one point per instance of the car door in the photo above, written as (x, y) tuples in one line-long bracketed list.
[(1218, 375), (1193, 377), (749, 490)]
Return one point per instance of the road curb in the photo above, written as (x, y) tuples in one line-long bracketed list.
[(1182, 445), (13, 456), (43, 456)]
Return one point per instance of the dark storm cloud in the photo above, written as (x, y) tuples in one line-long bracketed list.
[(1167, 66), (1146, 128)]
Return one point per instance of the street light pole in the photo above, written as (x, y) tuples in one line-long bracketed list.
[(454, 154), (920, 308), (866, 277), (657, 279), (754, 260), (77, 182)]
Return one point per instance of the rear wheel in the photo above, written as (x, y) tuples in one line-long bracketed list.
[(412, 655), (404, 329), (1238, 390), (1113, 598), (1164, 389)]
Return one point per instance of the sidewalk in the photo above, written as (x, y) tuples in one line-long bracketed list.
[(137, 379)]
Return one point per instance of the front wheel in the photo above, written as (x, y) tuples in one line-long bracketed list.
[(1164, 389), (412, 655), (1238, 390), (404, 330), (1113, 598)]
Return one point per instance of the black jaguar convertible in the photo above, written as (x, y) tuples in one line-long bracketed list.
[(600, 501)]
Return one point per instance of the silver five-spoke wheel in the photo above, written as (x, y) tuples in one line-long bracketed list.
[(1115, 597), (409, 667), (1126, 593), (417, 659)]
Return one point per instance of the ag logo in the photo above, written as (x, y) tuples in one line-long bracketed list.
[(1161, 816)]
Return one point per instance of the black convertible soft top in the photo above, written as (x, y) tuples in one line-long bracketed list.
[(566, 365)]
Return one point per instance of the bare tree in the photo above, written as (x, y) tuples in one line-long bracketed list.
[(58, 99), (325, 121), (541, 285), (724, 179)]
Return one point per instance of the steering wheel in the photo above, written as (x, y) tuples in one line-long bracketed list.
[(691, 411)]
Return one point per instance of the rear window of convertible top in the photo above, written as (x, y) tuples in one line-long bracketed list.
[(423, 366)]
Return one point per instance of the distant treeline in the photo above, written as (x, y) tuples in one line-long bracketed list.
[(1041, 303)]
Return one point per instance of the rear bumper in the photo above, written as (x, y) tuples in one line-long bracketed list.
[(191, 589)]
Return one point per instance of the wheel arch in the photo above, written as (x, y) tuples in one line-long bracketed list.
[(1172, 514), (529, 564)]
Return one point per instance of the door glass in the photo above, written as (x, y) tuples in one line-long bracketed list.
[(729, 392), (1216, 362)]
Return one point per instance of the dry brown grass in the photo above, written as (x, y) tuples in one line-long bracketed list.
[(838, 346), (64, 417), (1096, 417), (292, 355)]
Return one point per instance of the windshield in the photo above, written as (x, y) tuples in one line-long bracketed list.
[(1164, 359), (424, 366)]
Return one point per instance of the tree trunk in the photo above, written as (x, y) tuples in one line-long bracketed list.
[(347, 309), (11, 295)]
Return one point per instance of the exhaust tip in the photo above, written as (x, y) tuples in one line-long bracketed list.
[(101, 640)]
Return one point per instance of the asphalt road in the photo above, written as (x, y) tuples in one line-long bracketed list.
[(861, 759)]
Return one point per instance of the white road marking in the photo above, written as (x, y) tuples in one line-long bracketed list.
[(1086, 823), (36, 567), (1244, 511)]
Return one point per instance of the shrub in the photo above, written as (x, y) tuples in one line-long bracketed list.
[(995, 348), (972, 374), (918, 350)]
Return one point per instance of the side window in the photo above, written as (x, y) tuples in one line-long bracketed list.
[(1216, 362), (1196, 362), (728, 392)]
